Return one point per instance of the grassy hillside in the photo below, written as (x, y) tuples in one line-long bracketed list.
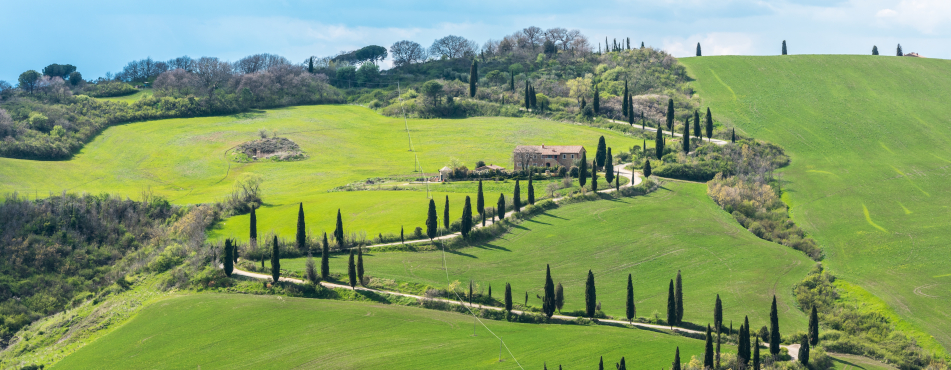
[(870, 141), (676, 228), (239, 331), (184, 159)]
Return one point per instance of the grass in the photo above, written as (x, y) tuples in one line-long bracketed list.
[(243, 331), (870, 145), (853, 362), (675, 228), (184, 159), (131, 98)]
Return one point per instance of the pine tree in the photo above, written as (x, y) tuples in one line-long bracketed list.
[(756, 356), (686, 136), (659, 143), (596, 102), (501, 207), (696, 124), (508, 297), (228, 258), (254, 228), (338, 231), (517, 198), (804, 352), (301, 230), (275, 261), (480, 203), (709, 124), (784, 47), (718, 313), (325, 259), (559, 297), (431, 222), (698, 49), (631, 309), (647, 168), (814, 327), (466, 223), (679, 296), (473, 77), (360, 265), (899, 53), (670, 116), (352, 271), (548, 301), (874, 50), (590, 296), (310, 65), (676, 364), (671, 306), (774, 337), (602, 151), (583, 171), (594, 177), (624, 100), (531, 189), (609, 167)]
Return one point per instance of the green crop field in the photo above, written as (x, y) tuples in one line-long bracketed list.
[(131, 98), (184, 159), (870, 141), (239, 331), (651, 237)]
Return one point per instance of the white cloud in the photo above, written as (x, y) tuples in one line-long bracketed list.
[(927, 16), (715, 43), (885, 13)]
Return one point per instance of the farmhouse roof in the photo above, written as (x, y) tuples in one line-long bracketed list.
[(553, 149), (913, 54), (490, 167)]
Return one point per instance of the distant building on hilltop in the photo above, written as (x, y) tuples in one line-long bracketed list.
[(525, 156), (913, 54)]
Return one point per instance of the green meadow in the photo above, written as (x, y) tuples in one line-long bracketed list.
[(870, 142), (213, 331), (131, 98), (651, 237), (185, 160)]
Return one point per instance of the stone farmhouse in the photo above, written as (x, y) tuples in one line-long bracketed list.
[(546, 156)]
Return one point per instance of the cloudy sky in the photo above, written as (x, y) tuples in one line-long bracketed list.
[(103, 36)]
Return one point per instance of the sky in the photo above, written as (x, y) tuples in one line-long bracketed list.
[(102, 36)]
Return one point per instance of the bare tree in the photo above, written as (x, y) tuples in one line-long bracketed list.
[(177, 83), (184, 62), (490, 48), (212, 72), (581, 45), (569, 38), (523, 155), (407, 52), (556, 35), (533, 36), (453, 47)]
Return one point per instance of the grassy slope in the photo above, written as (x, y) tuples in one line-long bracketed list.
[(184, 160), (871, 157), (131, 98), (239, 331), (677, 227)]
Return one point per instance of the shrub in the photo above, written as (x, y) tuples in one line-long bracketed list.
[(172, 256)]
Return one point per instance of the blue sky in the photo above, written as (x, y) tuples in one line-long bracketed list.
[(101, 36)]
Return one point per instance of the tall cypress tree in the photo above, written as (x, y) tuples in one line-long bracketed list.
[(733, 136), (275, 261), (352, 271), (696, 124), (685, 137), (445, 215), (642, 44), (254, 228), (708, 351), (583, 103), (360, 265), (548, 301), (874, 50), (745, 329), (718, 313), (647, 168), (602, 151), (601, 363), (432, 227), (596, 102), (338, 231), (229, 258), (301, 230), (473, 77), (804, 352), (590, 296), (466, 223), (480, 203), (534, 99), (594, 177), (814, 327), (670, 116), (898, 52), (774, 337), (508, 297), (631, 310), (402, 237), (698, 49), (756, 356), (310, 65), (527, 100), (709, 124), (740, 349), (609, 167), (583, 171), (624, 100), (679, 296), (784, 47), (512, 83), (531, 189), (630, 108), (676, 364), (517, 198), (559, 297), (671, 306), (659, 143), (325, 259), (501, 207)]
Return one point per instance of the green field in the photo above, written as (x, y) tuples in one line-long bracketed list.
[(651, 237), (268, 332), (131, 98), (184, 159), (870, 142)]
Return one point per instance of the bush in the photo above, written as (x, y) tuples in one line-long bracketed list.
[(172, 256)]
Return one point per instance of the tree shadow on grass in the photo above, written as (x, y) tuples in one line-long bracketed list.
[(538, 222), (453, 251), (490, 246)]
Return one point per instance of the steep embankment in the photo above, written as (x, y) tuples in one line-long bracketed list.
[(871, 158)]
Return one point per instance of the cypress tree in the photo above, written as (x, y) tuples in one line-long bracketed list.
[(679, 296), (490, 292), (899, 53), (621, 366), (647, 168), (601, 363), (534, 101), (508, 297), (360, 265), (590, 296), (628, 43), (874, 50), (517, 198), (617, 181), (445, 215), (671, 306), (527, 101), (804, 352), (466, 223), (480, 203), (431, 222), (756, 356), (512, 83), (686, 136), (548, 301), (659, 143), (696, 125), (352, 271), (531, 189), (630, 108), (526, 299), (594, 177), (229, 258), (676, 364), (774, 337), (325, 259), (624, 100), (642, 44), (583, 171), (310, 65), (741, 348), (670, 116), (470, 292), (644, 146), (718, 313), (602, 151), (784, 47), (709, 124), (698, 49), (338, 232), (631, 309), (275, 261), (746, 339), (473, 77), (254, 228), (609, 167), (708, 351), (402, 237), (501, 207), (596, 102), (717, 362), (814, 327), (559, 297), (733, 136), (301, 230), (583, 103)]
